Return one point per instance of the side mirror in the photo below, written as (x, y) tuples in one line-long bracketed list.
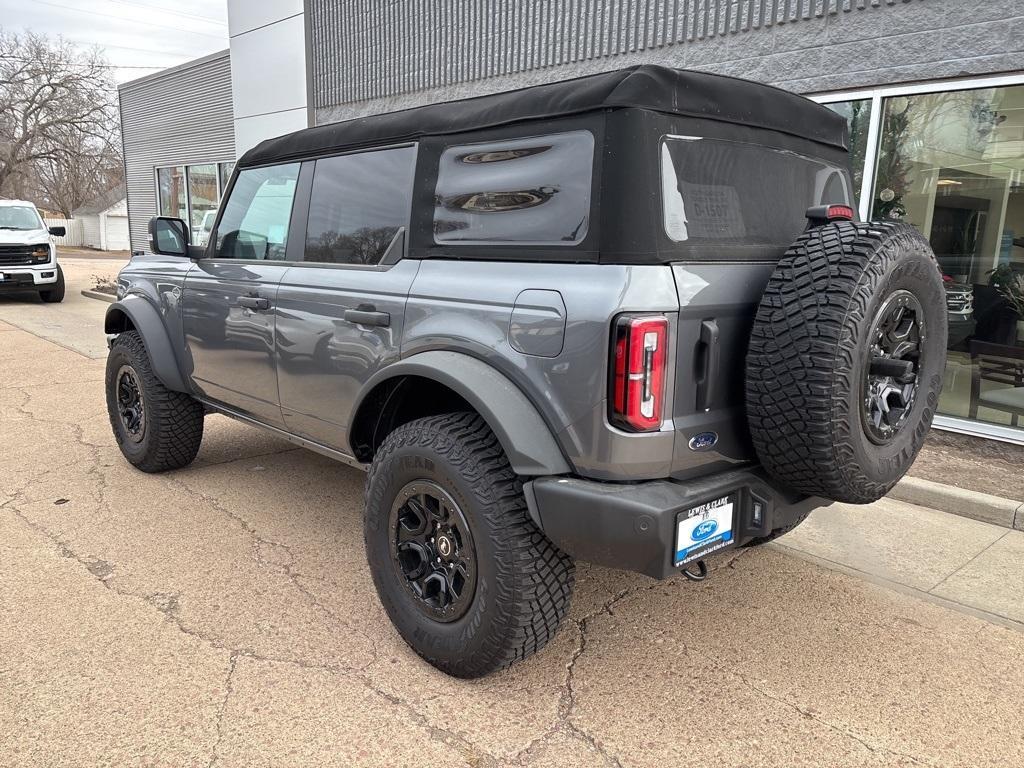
[(58, 231), (168, 236)]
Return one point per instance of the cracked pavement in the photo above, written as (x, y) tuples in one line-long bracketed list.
[(223, 615)]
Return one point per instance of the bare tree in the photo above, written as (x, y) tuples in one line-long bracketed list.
[(59, 132)]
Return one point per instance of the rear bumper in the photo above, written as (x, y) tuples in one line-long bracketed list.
[(633, 526)]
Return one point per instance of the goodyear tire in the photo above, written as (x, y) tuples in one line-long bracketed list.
[(156, 429), (468, 580), (846, 359)]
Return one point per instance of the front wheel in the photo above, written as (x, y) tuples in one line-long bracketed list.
[(55, 293), (469, 581), (156, 429)]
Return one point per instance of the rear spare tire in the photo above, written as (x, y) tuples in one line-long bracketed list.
[(846, 358)]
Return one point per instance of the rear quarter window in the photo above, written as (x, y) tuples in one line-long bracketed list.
[(731, 198), (532, 191)]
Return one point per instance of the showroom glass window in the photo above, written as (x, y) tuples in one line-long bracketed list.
[(204, 197), (225, 170), (172, 193), (952, 164), (358, 205), (858, 120), (257, 214)]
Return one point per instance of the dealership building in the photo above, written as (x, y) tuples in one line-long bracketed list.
[(933, 91)]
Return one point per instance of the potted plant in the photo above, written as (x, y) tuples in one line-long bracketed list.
[(1009, 284)]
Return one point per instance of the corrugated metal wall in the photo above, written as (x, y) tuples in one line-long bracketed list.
[(367, 49), (179, 116)]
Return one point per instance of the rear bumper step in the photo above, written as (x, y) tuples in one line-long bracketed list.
[(633, 526)]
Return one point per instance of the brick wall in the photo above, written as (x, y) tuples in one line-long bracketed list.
[(372, 57)]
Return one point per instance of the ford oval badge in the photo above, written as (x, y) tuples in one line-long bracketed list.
[(704, 530), (703, 441)]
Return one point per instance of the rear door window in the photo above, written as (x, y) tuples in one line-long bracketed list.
[(358, 205), (532, 190), (733, 199)]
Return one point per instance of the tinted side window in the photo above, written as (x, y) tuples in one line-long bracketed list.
[(532, 190), (358, 204), (257, 214)]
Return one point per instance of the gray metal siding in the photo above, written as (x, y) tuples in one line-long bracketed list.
[(180, 116), (366, 50), (370, 56)]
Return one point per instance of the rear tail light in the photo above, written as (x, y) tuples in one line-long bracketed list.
[(638, 371), (823, 214)]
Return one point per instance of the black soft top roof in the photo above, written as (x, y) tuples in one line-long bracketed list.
[(672, 91)]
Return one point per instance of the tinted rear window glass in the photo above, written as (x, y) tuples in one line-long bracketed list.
[(358, 204), (532, 190), (732, 199)]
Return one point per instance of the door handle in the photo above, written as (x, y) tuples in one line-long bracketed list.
[(367, 315), (709, 353), (259, 303)]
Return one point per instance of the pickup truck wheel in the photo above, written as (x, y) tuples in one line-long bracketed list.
[(471, 584), (156, 429), (846, 359), (55, 293)]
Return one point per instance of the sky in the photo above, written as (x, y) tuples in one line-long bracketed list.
[(139, 37)]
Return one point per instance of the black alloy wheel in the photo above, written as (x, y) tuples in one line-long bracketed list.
[(846, 359), (156, 428), (432, 548), (130, 405), (466, 576), (890, 382)]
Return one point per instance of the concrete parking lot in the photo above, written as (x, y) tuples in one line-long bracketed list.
[(224, 615)]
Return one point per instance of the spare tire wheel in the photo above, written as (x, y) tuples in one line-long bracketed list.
[(846, 359)]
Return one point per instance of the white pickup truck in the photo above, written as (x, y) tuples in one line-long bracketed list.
[(28, 257)]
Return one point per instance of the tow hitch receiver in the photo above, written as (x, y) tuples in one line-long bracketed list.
[(700, 574)]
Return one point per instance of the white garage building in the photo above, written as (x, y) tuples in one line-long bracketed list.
[(104, 221)]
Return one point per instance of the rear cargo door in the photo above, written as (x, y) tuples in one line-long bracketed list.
[(730, 209), (717, 303)]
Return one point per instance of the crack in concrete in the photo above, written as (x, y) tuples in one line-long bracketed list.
[(874, 749), (219, 724), (287, 569), (167, 605), (567, 696)]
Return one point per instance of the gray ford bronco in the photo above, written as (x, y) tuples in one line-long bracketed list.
[(628, 319)]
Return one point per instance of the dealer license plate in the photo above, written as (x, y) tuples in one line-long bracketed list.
[(703, 530)]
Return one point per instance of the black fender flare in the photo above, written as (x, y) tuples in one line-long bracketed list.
[(528, 442), (144, 317)]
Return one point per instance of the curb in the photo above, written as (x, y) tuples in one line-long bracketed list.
[(107, 297), (960, 501)]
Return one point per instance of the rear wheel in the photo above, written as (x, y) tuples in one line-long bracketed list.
[(55, 293), (846, 358), (469, 581), (156, 429)]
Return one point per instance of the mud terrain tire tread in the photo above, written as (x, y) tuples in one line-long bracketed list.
[(174, 420), (802, 361), (532, 581)]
